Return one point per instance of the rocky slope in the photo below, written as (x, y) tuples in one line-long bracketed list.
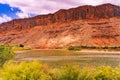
[(85, 25)]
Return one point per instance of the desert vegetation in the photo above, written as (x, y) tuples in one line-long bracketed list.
[(6, 53), (37, 71), (34, 70), (19, 47), (116, 48)]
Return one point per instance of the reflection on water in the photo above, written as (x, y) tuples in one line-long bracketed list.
[(61, 57)]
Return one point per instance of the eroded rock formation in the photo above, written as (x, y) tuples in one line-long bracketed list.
[(85, 25)]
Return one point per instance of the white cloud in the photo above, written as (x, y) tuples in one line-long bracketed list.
[(33, 6), (97, 2), (5, 18), (22, 15), (91, 2)]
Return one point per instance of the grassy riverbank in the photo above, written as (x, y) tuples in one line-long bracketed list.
[(105, 48), (36, 71)]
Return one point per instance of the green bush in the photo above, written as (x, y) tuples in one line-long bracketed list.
[(21, 45), (107, 73), (25, 71), (74, 48), (65, 73), (86, 73), (100, 73), (6, 54), (70, 72), (36, 71)]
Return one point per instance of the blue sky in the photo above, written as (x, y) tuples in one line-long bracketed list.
[(14, 9), (9, 11)]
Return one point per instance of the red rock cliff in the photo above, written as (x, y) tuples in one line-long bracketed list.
[(83, 12), (85, 25)]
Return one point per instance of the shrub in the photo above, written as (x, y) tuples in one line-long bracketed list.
[(21, 45), (67, 72), (36, 71), (116, 48), (56, 74), (25, 71), (74, 48), (6, 54), (106, 73), (87, 73), (70, 72), (71, 48)]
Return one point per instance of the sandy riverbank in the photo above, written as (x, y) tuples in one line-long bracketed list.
[(99, 52), (81, 51)]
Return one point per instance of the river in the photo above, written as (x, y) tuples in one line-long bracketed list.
[(63, 57)]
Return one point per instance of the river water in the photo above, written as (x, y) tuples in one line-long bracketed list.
[(63, 57)]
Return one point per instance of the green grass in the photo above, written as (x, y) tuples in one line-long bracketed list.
[(37, 71), (17, 48)]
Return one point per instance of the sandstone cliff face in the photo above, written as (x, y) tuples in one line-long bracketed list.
[(86, 25), (84, 12)]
